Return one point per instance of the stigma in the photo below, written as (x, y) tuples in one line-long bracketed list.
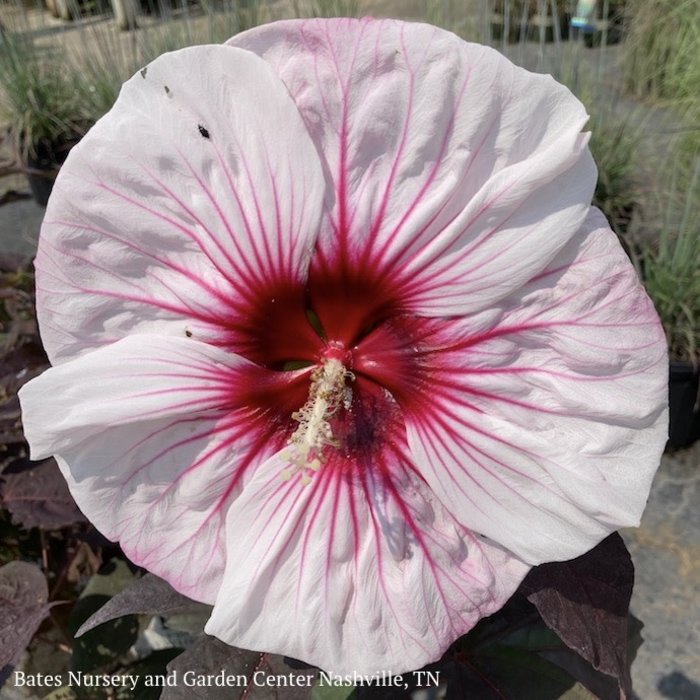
[(314, 435)]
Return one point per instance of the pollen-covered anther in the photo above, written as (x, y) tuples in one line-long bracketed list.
[(328, 392)]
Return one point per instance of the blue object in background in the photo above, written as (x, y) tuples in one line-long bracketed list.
[(584, 19)]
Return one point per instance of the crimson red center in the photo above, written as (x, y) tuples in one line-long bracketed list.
[(289, 328)]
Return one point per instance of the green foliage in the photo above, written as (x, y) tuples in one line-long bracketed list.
[(113, 56), (617, 133), (614, 144), (214, 26), (531, 6), (37, 97), (671, 271), (47, 95), (327, 8), (330, 692), (100, 71), (687, 142), (662, 57)]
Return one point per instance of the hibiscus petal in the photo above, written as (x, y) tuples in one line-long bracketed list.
[(197, 194), (354, 574), (458, 176), (547, 416), (153, 453)]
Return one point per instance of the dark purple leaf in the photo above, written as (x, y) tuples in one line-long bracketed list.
[(155, 664), (248, 671), (39, 497), (101, 647), (148, 595), (24, 604), (586, 602), (634, 637)]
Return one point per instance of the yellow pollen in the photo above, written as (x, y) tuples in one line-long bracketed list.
[(327, 394)]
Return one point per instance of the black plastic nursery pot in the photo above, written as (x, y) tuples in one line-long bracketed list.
[(684, 404), (41, 180), (44, 162)]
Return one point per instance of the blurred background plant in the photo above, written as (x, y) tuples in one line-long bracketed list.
[(326, 8), (670, 267), (42, 105), (614, 144), (662, 59), (100, 65), (618, 131), (662, 67), (37, 98)]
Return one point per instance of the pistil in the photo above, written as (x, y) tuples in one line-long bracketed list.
[(328, 392)]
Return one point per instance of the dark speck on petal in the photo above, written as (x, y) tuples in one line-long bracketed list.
[(203, 131), (143, 71), (167, 91)]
